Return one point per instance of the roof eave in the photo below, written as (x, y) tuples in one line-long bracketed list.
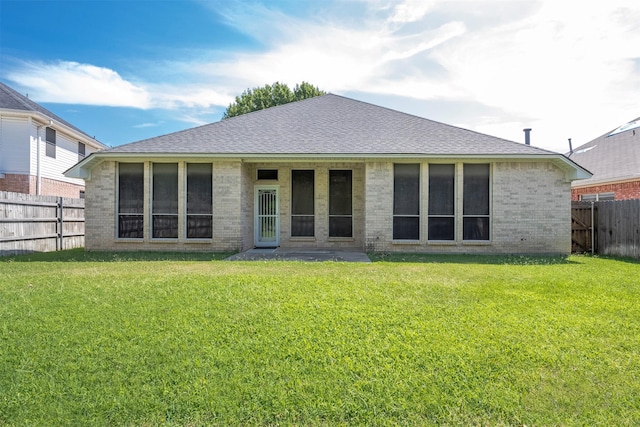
[(83, 168), (44, 120)]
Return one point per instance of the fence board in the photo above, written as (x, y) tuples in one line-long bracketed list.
[(619, 228), (39, 223), (582, 238)]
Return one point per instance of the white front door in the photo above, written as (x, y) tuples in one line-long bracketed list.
[(267, 219)]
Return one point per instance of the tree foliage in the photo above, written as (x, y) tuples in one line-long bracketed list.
[(278, 93)]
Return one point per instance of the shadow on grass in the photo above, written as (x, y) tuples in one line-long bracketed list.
[(472, 259), (80, 255)]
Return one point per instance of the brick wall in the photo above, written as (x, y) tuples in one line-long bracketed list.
[(622, 190), (530, 211), (27, 184), (321, 203), (101, 212)]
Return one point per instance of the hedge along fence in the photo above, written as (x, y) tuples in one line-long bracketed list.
[(39, 223)]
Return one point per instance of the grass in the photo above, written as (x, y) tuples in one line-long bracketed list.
[(175, 339)]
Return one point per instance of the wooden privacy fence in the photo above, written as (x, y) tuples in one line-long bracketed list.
[(612, 227), (39, 223)]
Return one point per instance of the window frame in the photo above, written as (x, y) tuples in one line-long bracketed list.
[(332, 217), (50, 142), (268, 174), (192, 215), (484, 216), (157, 215), (437, 216), (82, 151), (119, 213), (396, 203), (295, 215)]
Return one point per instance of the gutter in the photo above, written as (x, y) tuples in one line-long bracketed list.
[(83, 168)]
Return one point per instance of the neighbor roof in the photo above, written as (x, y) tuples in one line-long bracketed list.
[(322, 127), (610, 157), (10, 99)]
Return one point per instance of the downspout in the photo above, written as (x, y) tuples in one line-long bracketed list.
[(38, 177)]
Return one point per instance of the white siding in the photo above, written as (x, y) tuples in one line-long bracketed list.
[(14, 145), (66, 156)]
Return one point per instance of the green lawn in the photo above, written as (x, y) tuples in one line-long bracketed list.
[(190, 340)]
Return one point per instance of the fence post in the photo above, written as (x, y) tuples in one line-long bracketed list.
[(61, 222), (593, 239)]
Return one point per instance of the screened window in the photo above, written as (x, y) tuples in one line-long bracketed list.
[(268, 174), (340, 203), (475, 204), (164, 206), (302, 203), (130, 200), (81, 151), (51, 142), (441, 202), (199, 201), (406, 202)]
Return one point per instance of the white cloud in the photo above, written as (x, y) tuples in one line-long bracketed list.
[(73, 83), (410, 11), (563, 69), (556, 69)]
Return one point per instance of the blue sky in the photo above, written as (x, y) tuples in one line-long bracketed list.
[(125, 70)]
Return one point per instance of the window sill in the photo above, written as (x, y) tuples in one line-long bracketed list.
[(476, 242), (302, 239), (199, 240), (405, 242), (442, 243), (341, 239)]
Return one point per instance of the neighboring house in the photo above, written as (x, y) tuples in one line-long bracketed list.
[(614, 161), (329, 172), (36, 147)]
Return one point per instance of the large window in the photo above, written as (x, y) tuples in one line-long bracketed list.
[(164, 207), (302, 203), (475, 205), (51, 142), (406, 202), (130, 200), (199, 201), (340, 204), (441, 202)]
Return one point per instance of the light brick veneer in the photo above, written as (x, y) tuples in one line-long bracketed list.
[(530, 209)]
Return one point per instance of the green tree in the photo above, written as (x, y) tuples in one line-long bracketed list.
[(267, 96)]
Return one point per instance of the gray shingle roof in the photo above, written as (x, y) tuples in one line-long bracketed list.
[(328, 125), (610, 158), (10, 99)]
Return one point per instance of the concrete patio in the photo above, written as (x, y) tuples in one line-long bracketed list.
[(300, 254)]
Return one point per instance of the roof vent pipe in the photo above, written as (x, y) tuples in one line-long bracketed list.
[(527, 136), (570, 147)]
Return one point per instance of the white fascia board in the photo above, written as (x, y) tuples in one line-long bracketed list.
[(82, 169)]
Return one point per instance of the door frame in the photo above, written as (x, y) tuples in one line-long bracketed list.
[(256, 217)]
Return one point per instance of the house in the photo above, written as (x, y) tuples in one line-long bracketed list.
[(36, 147), (329, 172), (614, 161)]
